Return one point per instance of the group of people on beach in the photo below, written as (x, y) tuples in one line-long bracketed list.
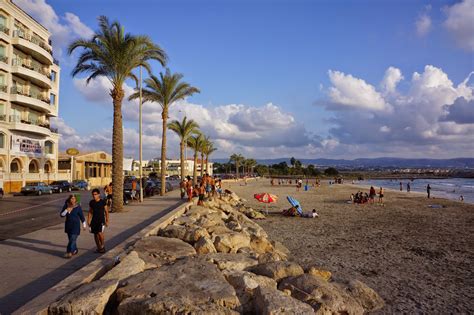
[(362, 198), (208, 186), (97, 220)]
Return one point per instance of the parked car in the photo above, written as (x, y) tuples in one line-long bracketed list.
[(151, 189), (36, 188), (127, 190), (59, 186), (174, 177), (80, 185), (168, 186)]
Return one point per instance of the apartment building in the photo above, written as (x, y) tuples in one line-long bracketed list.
[(29, 97)]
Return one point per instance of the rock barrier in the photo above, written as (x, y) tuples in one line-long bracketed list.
[(215, 259)]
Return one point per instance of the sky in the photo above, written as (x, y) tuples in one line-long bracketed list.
[(309, 79)]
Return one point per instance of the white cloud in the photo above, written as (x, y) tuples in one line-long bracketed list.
[(430, 117), (423, 24), (391, 79), (460, 23), (351, 92), (63, 29)]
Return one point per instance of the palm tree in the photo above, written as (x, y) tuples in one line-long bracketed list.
[(165, 90), (205, 143), (183, 129), (196, 142), (208, 150), (114, 54), (237, 159)]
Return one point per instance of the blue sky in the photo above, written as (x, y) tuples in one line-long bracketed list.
[(263, 68)]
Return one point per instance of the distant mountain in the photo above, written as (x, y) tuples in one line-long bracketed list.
[(383, 162)]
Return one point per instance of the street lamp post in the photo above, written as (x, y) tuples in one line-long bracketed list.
[(140, 138)]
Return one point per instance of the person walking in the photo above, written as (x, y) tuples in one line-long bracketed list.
[(401, 186), (98, 219), (408, 187), (72, 226), (428, 190)]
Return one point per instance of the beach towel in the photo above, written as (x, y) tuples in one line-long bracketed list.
[(295, 203)]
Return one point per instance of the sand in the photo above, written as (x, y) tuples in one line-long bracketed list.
[(417, 258)]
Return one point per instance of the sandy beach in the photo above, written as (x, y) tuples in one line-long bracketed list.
[(419, 259)]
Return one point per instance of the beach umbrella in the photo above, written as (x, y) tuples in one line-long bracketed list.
[(295, 203), (266, 198)]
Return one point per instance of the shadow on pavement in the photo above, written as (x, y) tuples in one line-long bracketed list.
[(19, 297)]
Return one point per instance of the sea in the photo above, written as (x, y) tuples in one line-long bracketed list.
[(449, 188)]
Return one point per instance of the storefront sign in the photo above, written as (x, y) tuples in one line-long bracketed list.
[(72, 151)]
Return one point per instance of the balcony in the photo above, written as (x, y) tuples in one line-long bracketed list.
[(5, 33), (33, 126), (3, 118), (32, 71), (33, 46), (36, 101)]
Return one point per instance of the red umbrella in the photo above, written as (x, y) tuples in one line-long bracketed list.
[(266, 198)]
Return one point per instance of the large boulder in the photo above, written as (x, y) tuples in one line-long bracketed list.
[(270, 256), (277, 270), (226, 261), (245, 283), (367, 297), (270, 301), (315, 271), (230, 242), (204, 246), (128, 266), (90, 298), (196, 212), (190, 285), (325, 297), (184, 220), (173, 231), (261, 245), (194, 233), (160, 250)]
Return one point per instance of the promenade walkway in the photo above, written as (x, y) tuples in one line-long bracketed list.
[(32, 263)]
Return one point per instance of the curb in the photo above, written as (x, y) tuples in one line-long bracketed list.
[(96, 269)]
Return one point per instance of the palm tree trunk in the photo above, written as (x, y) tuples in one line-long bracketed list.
[(202, 165), (237, 169), (207, 165), (181, 148), (195, 171), (164, 117), (117, 150)]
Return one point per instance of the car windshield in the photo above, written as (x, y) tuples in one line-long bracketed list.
[(56, 183), (32, 184)]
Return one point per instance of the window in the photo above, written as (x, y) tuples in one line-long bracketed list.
[(15, 166), (48, 147), (53, 76), (3, 23), (3, 117), (33, 118), (52, 99), (3, 54), (2, 141), (33, 167)]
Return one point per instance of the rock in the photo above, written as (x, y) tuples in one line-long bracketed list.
[(90, 298), (204, 246), (234, 226), (260, 245), (189, 286), (208, 224), (279, 247), (230, 242), (198, 211), (184, 220), (248, 251), (269, 257), (226, 261), (194, 233), (245, 283), (226, 208), (128, 266), (216, 217), (218, 229), (173, 231), (326, 275), (160, 250), (367, 297), (278, 270), (325, 297), (270, 301)]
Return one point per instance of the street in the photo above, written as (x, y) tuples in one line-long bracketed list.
[(24, 214)]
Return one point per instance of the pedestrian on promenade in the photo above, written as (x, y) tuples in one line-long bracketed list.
[(98, 219), (72, 226), (189, 188)]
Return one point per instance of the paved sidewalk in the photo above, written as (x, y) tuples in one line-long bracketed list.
[(32, 263)]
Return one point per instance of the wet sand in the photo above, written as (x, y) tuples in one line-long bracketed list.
[(419, 259)]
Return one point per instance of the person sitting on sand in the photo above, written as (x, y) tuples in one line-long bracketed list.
[(352, 198), (291, 212), (311, 215)]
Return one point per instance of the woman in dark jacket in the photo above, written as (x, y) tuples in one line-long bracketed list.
[(74, 216)]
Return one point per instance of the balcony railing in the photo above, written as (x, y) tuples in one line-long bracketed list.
[(20, 91), (54, 130), (32, 66), (3, 88), (4, 59), (14, 118), (32, 39), (4, 29), (31, 121), (3, 117)]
